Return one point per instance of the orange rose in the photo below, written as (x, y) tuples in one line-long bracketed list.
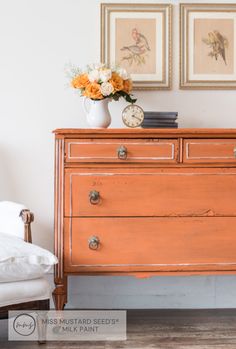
[(127, 86), (93, 91), (116, 81), (80, 81)]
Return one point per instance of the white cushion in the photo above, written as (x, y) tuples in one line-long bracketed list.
[(10, 220), (24, 291), (10, 272), (20, 260)]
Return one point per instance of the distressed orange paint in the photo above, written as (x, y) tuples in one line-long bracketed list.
[(168, 207)]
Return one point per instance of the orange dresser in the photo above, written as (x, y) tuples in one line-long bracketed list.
[(144, 202)]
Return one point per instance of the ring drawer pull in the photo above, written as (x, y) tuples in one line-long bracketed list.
[(122, 152), (94, 197), (93, 242)]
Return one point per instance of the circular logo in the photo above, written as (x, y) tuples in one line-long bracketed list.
[(24, 324)]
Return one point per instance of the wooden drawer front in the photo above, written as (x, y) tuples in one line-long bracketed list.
[(151, 244), (105, 150), (210, 150), (179, 192)]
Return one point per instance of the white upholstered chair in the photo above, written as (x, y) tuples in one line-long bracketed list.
[(34, 293)]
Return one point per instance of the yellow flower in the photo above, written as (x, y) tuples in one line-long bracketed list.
[(93, 91), (116, 81), (80, 81), (127, 86)]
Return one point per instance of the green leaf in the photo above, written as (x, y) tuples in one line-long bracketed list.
[(116, 96), (127, 97)]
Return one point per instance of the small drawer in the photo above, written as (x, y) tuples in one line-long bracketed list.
[(149, 244), (210, 151), (122, 150)]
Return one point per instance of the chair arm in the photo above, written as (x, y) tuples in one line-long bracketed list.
[(28, 218)]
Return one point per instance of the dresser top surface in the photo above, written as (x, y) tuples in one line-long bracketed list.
[(140, 132)]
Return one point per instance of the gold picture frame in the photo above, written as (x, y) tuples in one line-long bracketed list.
[(207, 46), (138, 37)]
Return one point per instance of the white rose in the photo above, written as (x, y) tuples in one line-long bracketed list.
[(123, 73), (106, 88), (94, 75), (105, 75)]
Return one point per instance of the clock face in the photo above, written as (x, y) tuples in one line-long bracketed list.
[(133, 115)]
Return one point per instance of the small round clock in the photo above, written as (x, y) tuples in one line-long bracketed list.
[(133, 115)]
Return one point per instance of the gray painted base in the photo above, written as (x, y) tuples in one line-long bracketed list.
[(174, 292)]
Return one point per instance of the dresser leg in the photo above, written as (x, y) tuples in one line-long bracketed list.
[(60, 296)]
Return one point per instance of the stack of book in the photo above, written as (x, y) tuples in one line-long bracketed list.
[(156, 119)]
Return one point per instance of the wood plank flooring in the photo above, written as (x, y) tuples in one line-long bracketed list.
[(162, 329)]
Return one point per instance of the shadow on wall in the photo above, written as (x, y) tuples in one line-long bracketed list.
[(42, 233), (8, 186)]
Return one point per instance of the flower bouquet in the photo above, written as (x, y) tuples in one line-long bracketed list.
[(99, 81)]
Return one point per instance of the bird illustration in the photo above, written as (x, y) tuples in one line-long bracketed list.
[(140, 39), (136, 51), (218, 44)]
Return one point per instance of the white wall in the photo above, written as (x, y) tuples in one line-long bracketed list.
[(38, 37)]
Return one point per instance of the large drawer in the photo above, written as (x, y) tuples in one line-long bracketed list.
[(151, 192), (106, 150), (150, 244), (210, 151)]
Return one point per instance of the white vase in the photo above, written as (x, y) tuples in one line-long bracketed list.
[(97, 112)]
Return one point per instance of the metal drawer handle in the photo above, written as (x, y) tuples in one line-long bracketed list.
[(93, 242), (94, 197), (235, 152), (122, 152)]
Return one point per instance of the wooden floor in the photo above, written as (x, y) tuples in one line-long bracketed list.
[(162, 329)]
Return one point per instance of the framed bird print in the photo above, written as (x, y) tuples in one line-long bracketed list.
[(137, 37), (208, 46)]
